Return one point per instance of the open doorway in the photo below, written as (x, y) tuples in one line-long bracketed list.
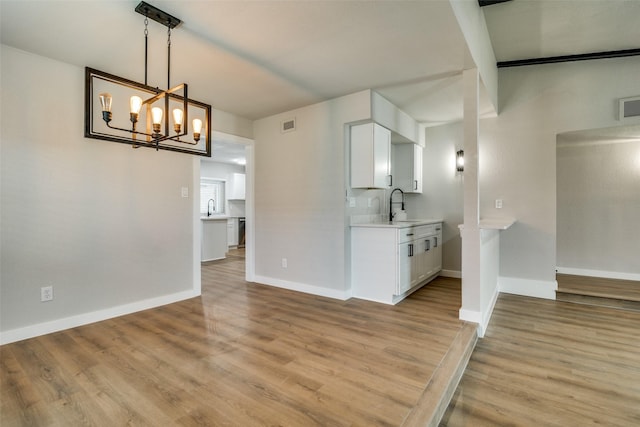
[(226, 184), (598, 204)]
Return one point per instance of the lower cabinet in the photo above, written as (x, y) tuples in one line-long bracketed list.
[(387, 264), (419, 258), (232, 232), (214, 239)]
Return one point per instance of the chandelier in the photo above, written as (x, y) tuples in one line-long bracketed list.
[(122, 110)]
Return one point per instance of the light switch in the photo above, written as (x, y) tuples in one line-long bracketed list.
[(352, 202), (185, 192), (498, 203)]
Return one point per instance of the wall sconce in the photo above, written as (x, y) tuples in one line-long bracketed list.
[(460, 160), (146, 123)]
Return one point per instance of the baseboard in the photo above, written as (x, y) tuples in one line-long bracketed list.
[(527, 287), (598, 273), (451, 273), (44, 328), (482, 320), (301, 287)]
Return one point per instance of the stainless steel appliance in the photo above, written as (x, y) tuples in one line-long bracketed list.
[(241, 222)]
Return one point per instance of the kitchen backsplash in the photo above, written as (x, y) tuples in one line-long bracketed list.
[(236, 208)]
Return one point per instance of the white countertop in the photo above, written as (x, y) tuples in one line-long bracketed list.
[(398, 224), (493, 223), (215, 218)]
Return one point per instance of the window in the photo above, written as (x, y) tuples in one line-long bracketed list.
[(211, 196)]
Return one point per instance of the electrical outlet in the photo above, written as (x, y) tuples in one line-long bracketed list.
[(284, 263), (498, 203), (352, 202), (185, 192), (369, 202), (46, 293)]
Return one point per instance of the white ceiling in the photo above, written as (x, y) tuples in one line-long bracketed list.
[(258, 58), (522, 29)]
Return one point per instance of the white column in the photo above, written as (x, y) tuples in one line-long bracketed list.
[(471, 309)]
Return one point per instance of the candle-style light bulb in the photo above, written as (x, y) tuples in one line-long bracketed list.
[(156, 114), (197, 127), (177, 119), (105, 102), (460, 161), (135, 103)]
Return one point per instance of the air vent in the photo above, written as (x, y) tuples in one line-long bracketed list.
[(629, 108), (288, 125)]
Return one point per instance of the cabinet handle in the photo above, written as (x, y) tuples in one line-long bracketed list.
[(415, 184), (427, 245), (435, 242), (409, 234), (390, 180), (410, 249)]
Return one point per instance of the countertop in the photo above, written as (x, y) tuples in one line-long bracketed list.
[(398, 224), (493, 224), (215, 218)]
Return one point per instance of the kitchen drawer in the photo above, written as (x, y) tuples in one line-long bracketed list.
[(425, 230), (406, 234)]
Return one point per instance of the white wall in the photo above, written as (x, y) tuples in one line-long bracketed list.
[(598, 208), (102, 223), (442, 195), (300, 196), (518, 151)]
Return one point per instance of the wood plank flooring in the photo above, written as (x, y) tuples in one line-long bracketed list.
[(242, 354), (549, 363), (623, 294)]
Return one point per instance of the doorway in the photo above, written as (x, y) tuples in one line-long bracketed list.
[(232, 162)]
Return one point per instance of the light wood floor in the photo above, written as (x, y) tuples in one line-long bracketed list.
[(623, 294), (239, 355), (549, 363)]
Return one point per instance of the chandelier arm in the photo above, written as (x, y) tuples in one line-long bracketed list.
[(137, 132)]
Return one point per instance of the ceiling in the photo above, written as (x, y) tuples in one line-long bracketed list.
[(259, 58)]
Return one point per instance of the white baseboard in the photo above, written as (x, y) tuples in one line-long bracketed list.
[(528, 288), (301, 287), (598, 273), (451, 273), (44, 328), (478, 317), (473, 317)]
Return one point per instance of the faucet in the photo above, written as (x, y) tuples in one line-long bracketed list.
[(391, 202), (213, 204)]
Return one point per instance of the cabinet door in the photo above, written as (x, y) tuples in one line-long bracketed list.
[(422, 259), (407, 167), (370, 156), (232, 231), (237, 187), (417, 169), (437, 253), (382, 157), (405, 263)]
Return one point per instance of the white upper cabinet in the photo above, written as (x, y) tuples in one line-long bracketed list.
[(370, 156), (237, 187), (407, 167)]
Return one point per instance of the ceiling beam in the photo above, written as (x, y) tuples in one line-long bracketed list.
[(570, 58), (484, 3)]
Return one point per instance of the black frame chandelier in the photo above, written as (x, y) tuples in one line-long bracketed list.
[(148, 123)]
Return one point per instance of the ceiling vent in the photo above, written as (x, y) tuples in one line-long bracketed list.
[(629, 108), (288, 125)]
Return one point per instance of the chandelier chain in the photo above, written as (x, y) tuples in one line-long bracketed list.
[(168, 56), (146, 46)]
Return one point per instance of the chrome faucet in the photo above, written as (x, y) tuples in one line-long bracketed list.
[(391, 202), (213, 204)]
